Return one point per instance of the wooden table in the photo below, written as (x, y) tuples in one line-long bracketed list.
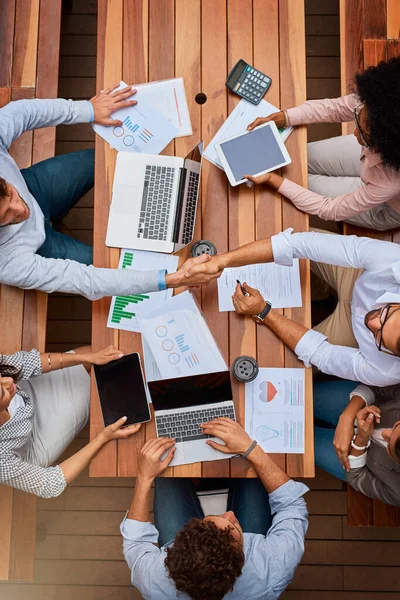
[(200, 40)]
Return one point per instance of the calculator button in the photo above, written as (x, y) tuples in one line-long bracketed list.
[(252, 71), (266, 79), (248, 69), (263, 84)]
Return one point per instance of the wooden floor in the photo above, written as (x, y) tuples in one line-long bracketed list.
[(78, 553)]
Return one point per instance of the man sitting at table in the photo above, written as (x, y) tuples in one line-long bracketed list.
[(32, 254), (249, 554), (361, 339)]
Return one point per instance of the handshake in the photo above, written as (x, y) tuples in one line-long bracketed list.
[(197, 271)]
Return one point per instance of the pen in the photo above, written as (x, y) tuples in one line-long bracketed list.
[(242, 288)]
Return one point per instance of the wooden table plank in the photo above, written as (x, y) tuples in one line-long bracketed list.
[(7, 23), (351, 18), (25, 43), (109, 61), (393, 19)]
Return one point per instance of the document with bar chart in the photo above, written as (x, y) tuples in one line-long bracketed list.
[(178, 341), (144, 130), (125, 309)]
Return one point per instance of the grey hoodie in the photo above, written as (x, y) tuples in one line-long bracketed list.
[(20, 265)]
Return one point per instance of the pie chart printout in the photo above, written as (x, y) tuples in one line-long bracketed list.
[(267, 391)]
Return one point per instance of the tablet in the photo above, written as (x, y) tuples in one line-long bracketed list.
[(123, 390), (253, 153)]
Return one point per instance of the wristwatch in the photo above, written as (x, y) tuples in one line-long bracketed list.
[(260, 318)]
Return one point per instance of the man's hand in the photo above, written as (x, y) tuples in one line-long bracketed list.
[(365, 423), (341, 442), (235, 437), (278, 118), (108, 101), (252, 304), (150, 463), (194, 272)]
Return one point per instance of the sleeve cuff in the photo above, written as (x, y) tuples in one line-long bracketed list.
[(161, 280), (91, 112), (357, 462), (308, 344), (294, 116), (365, 393), (138, 531), (286, 494), (282, 249)]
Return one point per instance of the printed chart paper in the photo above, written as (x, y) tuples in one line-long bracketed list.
[(144, 129), (274, 410), (241, 116), (125, 309), (179, 340), (276, 283)]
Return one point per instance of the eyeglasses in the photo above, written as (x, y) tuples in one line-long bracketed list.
[(383, 318), (357, 111)]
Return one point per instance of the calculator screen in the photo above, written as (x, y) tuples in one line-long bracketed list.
[(252, 153), (237, 72)]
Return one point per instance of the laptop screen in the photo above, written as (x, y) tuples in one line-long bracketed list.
[(185, 392), (194, 155)]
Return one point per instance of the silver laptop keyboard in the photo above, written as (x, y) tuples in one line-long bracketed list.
[(185, 427), (190, 212), (156, 203)]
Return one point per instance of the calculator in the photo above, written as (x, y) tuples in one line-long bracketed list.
[(248, 82)]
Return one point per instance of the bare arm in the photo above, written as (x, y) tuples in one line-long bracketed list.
[(285, 329), (271, 475)]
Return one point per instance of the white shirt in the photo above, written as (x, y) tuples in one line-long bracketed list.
[(376, 286), (15, 403)]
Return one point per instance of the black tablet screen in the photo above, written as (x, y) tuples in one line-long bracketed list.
[(122, 390)]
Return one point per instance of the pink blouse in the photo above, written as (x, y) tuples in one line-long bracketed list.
[(381, 183)]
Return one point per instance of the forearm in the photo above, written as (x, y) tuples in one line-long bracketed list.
[(288, 331), (140, 506), (73, 466), (271, 476), (253, 253), (356, 403), (52, 361)]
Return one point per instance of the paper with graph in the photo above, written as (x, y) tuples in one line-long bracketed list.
[(144, 129), (276, 283), (125, 309), (274, 410), (177, 340)]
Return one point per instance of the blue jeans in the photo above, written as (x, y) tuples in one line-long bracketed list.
[(330, 399), (176, 502), (58, 184)]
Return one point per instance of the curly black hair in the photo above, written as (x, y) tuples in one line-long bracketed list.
[(379, 88), (3, 188), (204, 561), (7, 370)]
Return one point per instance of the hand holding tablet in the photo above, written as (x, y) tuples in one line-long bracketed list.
[(253, 152)]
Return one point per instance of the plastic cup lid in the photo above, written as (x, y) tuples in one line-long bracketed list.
[(203, 247), (245, 368)]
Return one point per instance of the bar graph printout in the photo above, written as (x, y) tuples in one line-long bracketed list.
[(124, 309), (177, 341), (274, 410)]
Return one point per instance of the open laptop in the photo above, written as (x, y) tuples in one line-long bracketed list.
[(182, 404), (154, 201)]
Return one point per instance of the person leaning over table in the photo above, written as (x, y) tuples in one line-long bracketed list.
[(345, 182), (44, 403), (361, 339), (251, 554), (32, 254), (366, 456)]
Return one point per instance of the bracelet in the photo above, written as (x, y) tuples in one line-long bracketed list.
[(49, 361), (353, 445), (61, 360), (249, 449), (286, 123)]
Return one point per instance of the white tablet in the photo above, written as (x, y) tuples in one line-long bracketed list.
[(252, 153)]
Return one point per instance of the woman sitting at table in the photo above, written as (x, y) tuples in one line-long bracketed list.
[(344, 183), (364, 449), (44, 403)]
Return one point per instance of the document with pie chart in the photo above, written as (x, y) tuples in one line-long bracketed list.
[(177, 340), (144, 130), (274, 410)]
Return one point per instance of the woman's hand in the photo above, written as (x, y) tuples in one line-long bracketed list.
[(108, 101), (150, 463), (341, 442), (117, 431), (252, 304), (103, 357), (365, 422), (237, 440), (278, 118)]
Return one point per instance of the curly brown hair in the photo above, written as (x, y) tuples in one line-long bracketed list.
[(4, 191), (204, 561)]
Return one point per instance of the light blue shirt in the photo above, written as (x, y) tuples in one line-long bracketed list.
[(270, 560)]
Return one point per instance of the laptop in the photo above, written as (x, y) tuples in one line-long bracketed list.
[(154, 201), (181, 405)]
